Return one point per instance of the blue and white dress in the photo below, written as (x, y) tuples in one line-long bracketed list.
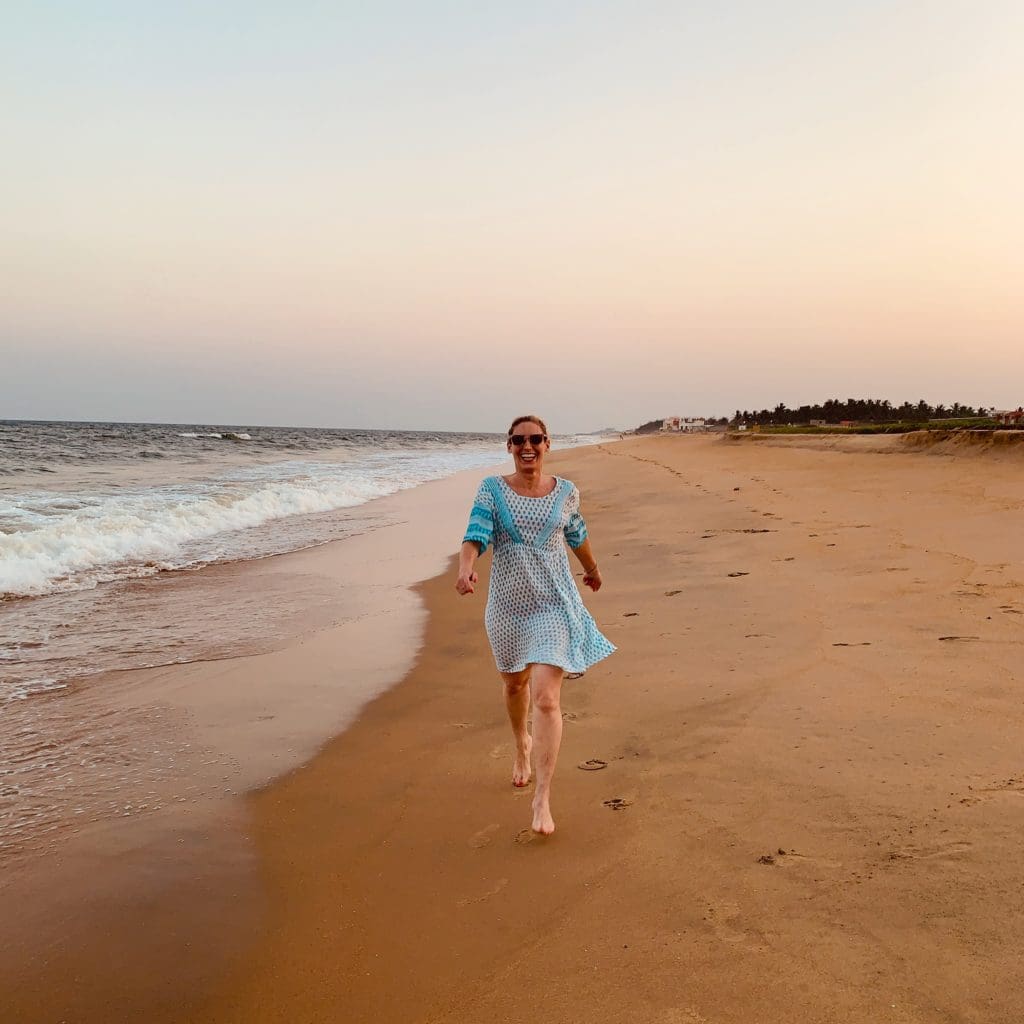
[(535, 614)]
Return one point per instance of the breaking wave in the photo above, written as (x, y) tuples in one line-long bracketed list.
[(56, 542)]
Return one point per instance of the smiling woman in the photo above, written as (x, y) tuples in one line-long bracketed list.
[(536, 622)]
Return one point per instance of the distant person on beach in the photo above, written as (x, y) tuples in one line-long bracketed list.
[(536, 622)]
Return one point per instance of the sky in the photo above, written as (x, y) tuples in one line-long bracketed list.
[(439, 215)]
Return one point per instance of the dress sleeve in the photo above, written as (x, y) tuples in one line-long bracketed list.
[(575, 528), (481, 519)]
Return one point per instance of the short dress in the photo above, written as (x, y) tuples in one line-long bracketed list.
[(535, 614)]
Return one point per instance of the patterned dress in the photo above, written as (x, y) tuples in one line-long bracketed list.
[(535, 614)]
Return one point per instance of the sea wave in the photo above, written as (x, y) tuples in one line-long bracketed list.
[(148, 532), (11, 691), (228, 435), (134, 524), (56, 542)]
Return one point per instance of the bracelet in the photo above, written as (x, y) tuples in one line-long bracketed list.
[(591, 571)]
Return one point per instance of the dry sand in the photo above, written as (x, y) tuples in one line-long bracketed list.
[(813, 803)]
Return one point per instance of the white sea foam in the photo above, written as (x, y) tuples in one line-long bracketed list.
[(25, 690), (229, 436), (55, 542)]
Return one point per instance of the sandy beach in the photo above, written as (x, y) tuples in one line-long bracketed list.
[(809, 809)]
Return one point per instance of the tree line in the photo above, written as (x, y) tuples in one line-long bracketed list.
[(857, 410)]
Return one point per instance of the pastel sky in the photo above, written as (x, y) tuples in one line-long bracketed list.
[(439, 214)]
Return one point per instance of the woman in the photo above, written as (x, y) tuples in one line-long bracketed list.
[(535, 619)]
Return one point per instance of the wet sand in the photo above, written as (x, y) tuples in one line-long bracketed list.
[(812, 795), (129, 865)]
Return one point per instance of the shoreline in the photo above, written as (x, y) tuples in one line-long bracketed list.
[(816, 771), (219, 729)]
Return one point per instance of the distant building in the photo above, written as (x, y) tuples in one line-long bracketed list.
[(684, 424), (1011, 418), (819, 423)]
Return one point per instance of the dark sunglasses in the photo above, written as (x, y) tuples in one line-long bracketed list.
[(535, 439)]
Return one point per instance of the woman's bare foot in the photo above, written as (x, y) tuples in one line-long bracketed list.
[(542, 820), (521, 766)]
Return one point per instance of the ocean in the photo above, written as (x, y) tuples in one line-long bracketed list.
[(120, 548)]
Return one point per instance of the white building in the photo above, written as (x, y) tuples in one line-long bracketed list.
[(684, 424)]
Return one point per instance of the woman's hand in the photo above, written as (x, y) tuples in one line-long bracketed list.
[(593, 579), (466, 582)]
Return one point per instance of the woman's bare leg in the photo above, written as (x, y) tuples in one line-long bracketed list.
[(517, 703), (547, 735)]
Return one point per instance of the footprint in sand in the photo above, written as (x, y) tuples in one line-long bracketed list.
[(483, 838), (672, 593), (982, 794), (939, 852), (617, 803), (502, 750), (724, 918), (790, 858), (525, 836), (466, 901), (595, 764), (733, 574)]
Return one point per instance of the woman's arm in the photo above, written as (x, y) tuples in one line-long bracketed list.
[(467, 578), (477, 539), (591, 573)]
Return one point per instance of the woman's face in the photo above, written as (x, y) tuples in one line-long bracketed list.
[(528, 456)]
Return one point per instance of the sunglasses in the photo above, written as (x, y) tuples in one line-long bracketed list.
[(535, 439)]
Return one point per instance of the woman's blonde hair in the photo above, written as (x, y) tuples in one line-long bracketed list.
[(527, 419)]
